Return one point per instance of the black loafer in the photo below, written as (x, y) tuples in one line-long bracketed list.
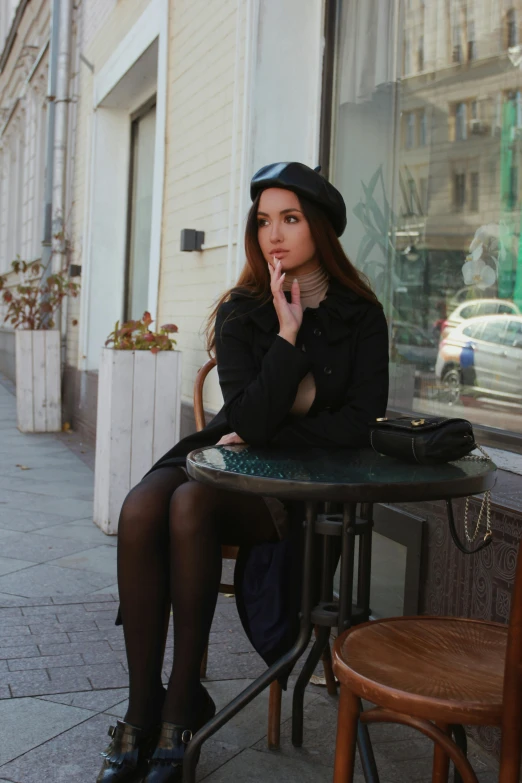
[(166, 762), (125, 759)]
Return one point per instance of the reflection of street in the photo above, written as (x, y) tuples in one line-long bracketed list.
[(477, 410)]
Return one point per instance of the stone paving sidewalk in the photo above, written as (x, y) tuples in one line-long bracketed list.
[(63, 672)]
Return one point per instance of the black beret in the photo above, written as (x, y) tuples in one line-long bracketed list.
[(305, 182)]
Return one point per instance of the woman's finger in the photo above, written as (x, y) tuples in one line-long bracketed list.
[(275, 277)]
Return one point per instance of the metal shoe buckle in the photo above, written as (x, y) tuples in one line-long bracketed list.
[(186, 736), (112, 731)]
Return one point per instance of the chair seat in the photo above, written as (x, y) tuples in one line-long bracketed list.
[(440, 668)]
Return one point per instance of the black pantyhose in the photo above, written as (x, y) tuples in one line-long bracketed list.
[(169, 550)]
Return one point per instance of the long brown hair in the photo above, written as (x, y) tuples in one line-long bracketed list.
[(254, 280)]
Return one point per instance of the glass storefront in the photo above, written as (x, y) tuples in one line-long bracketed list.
[(426, 149)]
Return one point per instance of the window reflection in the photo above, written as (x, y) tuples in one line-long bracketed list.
[(426, 151)]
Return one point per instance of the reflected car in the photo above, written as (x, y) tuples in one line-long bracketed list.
[(482, 357), (413, 345), (467, 293), (476, 308)]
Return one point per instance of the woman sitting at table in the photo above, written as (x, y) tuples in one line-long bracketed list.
[(302, 354)]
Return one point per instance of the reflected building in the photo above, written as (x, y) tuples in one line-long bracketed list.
[(460, 141), (426, 149)]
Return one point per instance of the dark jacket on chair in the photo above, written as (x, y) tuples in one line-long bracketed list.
[(344, 343)]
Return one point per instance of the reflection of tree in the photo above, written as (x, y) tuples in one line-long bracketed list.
[(510, 255), (401, 280), (378, 219)]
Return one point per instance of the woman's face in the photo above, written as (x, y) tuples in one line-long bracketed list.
[(284, 233)]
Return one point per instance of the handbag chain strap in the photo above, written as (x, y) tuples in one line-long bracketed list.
[(486, 504)]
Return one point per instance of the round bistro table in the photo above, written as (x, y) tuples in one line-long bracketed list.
[(315, 477)]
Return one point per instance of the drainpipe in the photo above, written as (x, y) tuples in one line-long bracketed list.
[(60, 136), (54, 249), (47, 238)]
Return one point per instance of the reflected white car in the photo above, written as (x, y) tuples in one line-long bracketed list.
[(475, 308), (483, 357)]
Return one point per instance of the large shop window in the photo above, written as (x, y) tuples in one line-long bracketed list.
[(143, 133), (427, 156)]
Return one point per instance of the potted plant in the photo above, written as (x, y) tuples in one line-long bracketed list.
[(139, 405), (32, 302)]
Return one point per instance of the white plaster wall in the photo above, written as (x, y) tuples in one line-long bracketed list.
[(105, 279), (286, 88)]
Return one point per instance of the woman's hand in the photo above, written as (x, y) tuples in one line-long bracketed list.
[(230, 440), (290, 314)]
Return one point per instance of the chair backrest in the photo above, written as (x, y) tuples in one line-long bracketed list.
[(199, 411), (512, 699)]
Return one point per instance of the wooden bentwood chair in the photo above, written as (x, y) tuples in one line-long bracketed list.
[(435, 674), (230, 553)]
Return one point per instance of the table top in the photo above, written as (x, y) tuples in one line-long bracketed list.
[(343, 475)]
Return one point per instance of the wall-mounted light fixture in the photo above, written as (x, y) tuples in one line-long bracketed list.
[(191, 239)]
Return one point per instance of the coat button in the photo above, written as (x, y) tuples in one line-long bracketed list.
[(327, 370), (317, 332)]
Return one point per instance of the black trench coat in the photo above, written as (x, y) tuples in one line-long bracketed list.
[(344, 343)]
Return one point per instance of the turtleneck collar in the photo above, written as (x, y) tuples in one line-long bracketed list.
[(313, 286)]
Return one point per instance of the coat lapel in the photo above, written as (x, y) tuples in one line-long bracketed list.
[(339, 311)]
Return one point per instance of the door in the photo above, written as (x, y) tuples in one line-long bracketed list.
[(143, 134)]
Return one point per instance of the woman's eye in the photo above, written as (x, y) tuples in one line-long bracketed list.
[(292, 218), (261, 222)]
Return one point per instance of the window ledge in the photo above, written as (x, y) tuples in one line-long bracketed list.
[(506, 460), (507, 492)]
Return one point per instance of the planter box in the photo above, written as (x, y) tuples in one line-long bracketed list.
[(38, 381), (139, 403)]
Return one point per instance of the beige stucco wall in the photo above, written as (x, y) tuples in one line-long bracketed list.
[(201, 89)]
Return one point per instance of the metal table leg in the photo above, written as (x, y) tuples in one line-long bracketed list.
[(272, 673), (347, 562), (321, 641), (365, 562), (323, 635), (345, 611)]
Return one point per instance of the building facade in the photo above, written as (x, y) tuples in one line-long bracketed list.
[(37, 142)]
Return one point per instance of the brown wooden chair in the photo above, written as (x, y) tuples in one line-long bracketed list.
[(230, 553), (434, 673)]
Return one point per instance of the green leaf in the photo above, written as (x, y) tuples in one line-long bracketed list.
[(365, 248), (372, 183), (359, 211), (378, 217)]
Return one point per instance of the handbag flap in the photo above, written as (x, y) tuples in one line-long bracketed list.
[(410, 424)]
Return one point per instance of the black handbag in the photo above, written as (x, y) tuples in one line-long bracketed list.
[(426, 441), (433, 440)]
